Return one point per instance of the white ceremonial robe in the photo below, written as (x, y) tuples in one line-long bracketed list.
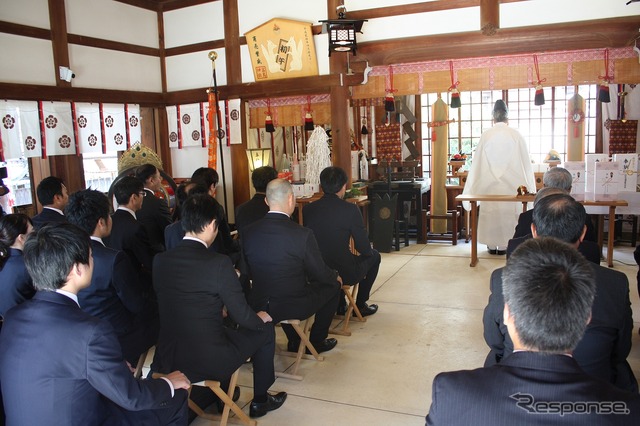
[(500, 165)]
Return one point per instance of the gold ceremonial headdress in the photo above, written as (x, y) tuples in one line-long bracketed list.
[(136, 156)]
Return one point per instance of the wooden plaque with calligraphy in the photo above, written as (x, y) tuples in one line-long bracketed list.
[(282, 48)]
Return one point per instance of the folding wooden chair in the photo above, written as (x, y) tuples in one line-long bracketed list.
[(350, 291), (225, 397), (303, 332)]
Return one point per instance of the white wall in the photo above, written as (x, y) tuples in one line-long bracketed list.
[(32, 60), (34, 13), (112, 20), (34, 67), (114, 70)]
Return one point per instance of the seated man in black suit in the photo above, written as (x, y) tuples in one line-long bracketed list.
[(589, 249), (603, 350), (549, 290), (256, 207), (61, 366), (127, 234), (560, 178), (115, 293), (224, 243), (335, 222), (154, 214), (290, 279), (192, 285), (53, 195)]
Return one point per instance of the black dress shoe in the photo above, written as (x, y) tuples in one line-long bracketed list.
[(366, 310), (501, 252), (493, 251), (324, 346), (259, 409)]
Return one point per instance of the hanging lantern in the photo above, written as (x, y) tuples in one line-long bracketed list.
[(455, 93), (308, 118), (603, 87), (538, 100)]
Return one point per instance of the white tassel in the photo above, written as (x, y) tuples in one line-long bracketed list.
[(318, 155)]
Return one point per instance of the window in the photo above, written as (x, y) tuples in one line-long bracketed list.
[(100, 170), (543, 127), (18, 182)]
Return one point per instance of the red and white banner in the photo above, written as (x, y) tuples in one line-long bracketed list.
[(89, 129), (134, 130), (114, 125), (57, 128), (235, 121), (10, 130), (172, 121), (30, 128), (190, 125)]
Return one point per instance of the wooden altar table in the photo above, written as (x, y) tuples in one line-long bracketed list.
[(524, 199)]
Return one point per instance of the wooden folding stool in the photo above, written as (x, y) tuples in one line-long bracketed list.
[(351, 292), (305, 343), (225, 397)]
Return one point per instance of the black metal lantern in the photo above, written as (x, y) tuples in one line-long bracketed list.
[(342, 32)]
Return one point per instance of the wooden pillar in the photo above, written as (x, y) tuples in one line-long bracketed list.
[(239, 164), (340, 96), (489, 16), (67, 167)]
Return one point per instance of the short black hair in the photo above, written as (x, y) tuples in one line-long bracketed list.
[(559, 216), (145, 171), (48, 188), (198, 211), (86, 208), (206, 176), (549, 288), (50, 253), (261, 177), (125, 187), (11, 226), (332, 179), (197, 188)]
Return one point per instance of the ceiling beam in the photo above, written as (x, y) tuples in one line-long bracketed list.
[(299, 86), (164, 5), (596, 34)]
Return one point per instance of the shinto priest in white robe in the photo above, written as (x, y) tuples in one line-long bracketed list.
[(500, 165)]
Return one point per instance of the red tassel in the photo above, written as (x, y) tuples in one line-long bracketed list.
[(539, 98), (603, 93), (389, 102), (308, 122), (268, 124), (455, 99)]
